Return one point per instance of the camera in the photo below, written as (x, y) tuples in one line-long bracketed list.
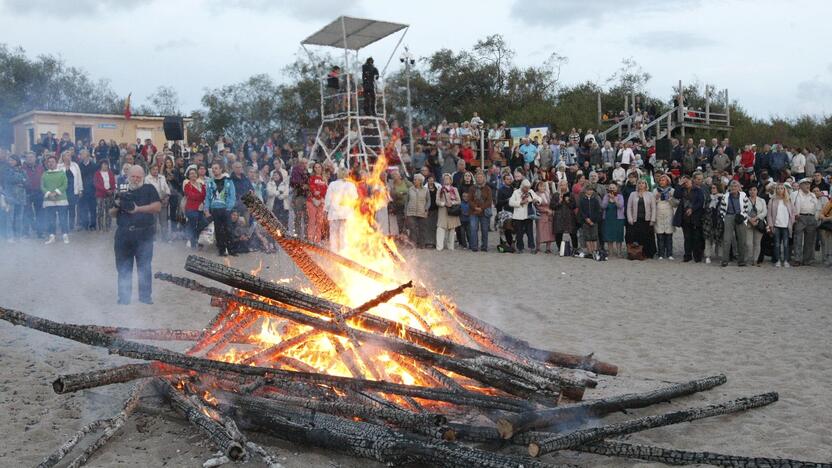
[(124, 200)]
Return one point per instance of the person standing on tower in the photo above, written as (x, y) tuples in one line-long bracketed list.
[(369, 74)]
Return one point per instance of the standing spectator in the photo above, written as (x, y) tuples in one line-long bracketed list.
[(712, 224), (608, 155), (446, 199), (798, 164), (811, 163), (613, 210), (688, 216), (101, 152), (480, 199), (504, 193), (104, 182), (778, 163), (755, 227), (590, 216), (13, 187), (75, 188), (529, 151), (339, 201), (315, 204), (175, 179), (299, 183), (641, 215), (665, 205), (242, 185), (277, 195), (54, 185), (781, 216), (398, 189), (734, 209), (806, 208), (194, 193), (825, 230), (64, 145), (86, 205), (524, 201), (429, 234), (545, 222), (159, 182), (721, 162), (219, 202), (416, 210), (135, 210), (33, 211), (565, 221)]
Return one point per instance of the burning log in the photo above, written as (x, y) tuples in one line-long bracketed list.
[(576, 414), (197, 414), (152, 353), (110, 426), (365, 439), (244, 281), (469, 368), (73, 382), (577, 438), (683, 457)]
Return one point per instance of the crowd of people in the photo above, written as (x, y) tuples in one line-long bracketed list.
[(566, 193)]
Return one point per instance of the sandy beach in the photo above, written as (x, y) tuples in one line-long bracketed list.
[(767, 329)]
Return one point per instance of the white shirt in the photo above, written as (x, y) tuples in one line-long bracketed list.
[(781, 218), (619, 175), (105, 176), (340, 199), (799, 163), (159, 183), (627, 155), (805, 203)]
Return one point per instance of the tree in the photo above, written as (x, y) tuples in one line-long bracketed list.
[(244, 109), (163, 101), (47, 83)]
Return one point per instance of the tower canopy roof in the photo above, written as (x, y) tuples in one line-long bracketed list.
[(360, 32)]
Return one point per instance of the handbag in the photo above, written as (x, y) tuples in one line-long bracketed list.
[(454, 210), (761, 226), (532, 211), (635, 252), (826, 226)]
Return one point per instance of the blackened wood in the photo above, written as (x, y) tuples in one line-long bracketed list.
[(469, 368), (148, 352), (585, 436), (153, 334), (580, 413), (197, 414), (73, 382)]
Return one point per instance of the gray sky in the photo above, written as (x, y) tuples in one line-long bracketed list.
[(772, 55)]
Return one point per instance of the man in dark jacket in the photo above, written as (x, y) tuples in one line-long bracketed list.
[(369, 74), (589, 208), (241, 186), (762, 160), (480, 201), (777, 163), (688, 216)]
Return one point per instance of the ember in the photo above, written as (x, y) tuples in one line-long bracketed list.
[(372, 364)]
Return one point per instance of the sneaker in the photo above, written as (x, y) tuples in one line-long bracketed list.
[(65, 237), (188, 244), (670, 258), (661, 258), (786, 264), (778, 265), (51, 239), (707, 260)]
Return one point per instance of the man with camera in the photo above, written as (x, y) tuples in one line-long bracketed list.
[(136, 204)]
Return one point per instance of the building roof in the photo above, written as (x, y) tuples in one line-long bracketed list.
[(83, 114), (360, 32)]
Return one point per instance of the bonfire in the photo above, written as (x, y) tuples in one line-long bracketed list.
[(371, 362)]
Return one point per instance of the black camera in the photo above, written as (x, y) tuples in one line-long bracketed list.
[(124, 199)]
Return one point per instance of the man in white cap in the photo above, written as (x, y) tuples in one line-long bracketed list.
[(806, 208)]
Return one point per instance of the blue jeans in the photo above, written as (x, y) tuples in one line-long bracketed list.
[(781, 241), (130, 246), (63, 217), (194, 219), (665, 244), (478, 223)]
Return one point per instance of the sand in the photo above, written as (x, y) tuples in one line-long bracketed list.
[(766, 329)]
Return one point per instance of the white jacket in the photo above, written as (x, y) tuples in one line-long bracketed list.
[(77, 184), (159, 183), (340, 199), (279, 192), (521, 211)]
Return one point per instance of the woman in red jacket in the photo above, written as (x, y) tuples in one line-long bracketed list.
[(194, 191), (105, 188), (315, 204)]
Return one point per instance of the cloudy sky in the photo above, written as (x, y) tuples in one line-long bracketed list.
[(772, 55)]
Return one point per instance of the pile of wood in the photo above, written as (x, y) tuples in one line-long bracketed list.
[(478, 392)]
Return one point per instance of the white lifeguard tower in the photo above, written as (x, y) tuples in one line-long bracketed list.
[(364, 136)]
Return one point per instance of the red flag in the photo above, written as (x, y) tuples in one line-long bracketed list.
[(127, 113)]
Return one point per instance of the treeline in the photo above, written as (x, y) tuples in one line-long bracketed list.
[(447, 84)]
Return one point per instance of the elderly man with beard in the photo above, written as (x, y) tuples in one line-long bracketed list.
[(135, 217)]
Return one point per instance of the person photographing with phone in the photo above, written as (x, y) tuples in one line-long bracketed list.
[(136, 205)]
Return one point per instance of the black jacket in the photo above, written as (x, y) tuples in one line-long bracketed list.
[(590, 208), (369, 73)]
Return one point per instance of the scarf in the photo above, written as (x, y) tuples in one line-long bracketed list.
[(664, 193)]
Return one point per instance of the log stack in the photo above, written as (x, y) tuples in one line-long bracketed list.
[(417, 385)]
